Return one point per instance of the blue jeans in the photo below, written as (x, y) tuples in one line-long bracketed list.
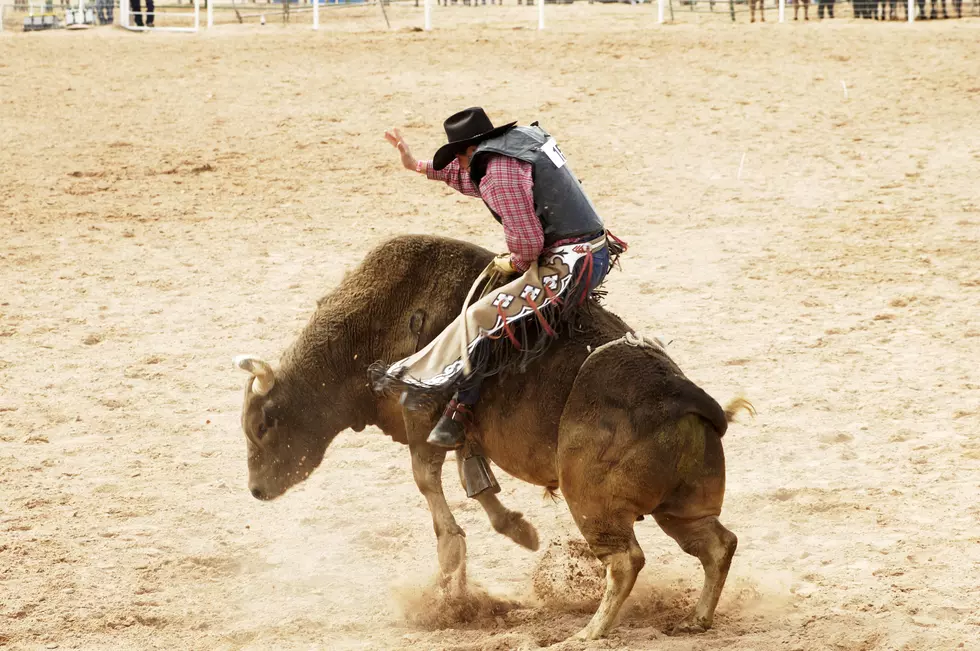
[(600, 267)]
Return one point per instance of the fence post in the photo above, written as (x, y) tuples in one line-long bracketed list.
[(428, 15), (197, 15), (660, 11), (210, 13), (316, 15), (911, 11), (540, 14), (782, 10)]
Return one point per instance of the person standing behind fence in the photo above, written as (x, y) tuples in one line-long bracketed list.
[(827, 5), (134, 7), (104, 11)]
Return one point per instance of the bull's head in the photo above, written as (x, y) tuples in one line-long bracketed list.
[(283, 442)]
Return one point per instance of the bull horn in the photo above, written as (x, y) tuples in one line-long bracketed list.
[(265, 378)]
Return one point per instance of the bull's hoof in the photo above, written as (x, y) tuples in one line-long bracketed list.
[(453, 586), (522, 532), (585, 635), (691, 625)]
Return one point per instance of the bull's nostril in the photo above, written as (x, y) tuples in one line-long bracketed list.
[(256, 493)]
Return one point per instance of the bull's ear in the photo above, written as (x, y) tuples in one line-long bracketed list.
[(271, 414), (265, 378)]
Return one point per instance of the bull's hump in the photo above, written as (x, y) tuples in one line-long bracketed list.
[(425, 247)]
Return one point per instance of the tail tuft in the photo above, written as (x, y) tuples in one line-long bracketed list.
[(552, 493), (737, 405)]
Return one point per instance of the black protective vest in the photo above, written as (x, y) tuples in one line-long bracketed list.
[(559, 201)]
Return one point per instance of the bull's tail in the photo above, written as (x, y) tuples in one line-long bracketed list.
[(736, 405), (694, 400)]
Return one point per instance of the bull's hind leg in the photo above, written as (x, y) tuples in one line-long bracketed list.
[(611, 538), (510, 523), (451, 540), (714, 545)]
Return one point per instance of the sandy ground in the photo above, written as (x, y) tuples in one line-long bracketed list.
[(170, 201)]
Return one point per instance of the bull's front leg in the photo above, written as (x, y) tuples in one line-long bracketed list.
[(451, 540), (510, 523)]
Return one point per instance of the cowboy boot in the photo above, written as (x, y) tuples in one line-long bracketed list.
[(450, 431)]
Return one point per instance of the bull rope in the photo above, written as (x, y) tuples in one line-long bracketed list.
[(630, 339), (488, 274)]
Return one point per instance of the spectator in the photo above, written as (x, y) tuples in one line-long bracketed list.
[(103, 10), (134, 6), (827, 5)]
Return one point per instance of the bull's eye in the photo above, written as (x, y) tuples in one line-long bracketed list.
[(261, 431)]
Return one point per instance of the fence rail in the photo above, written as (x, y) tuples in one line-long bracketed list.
[(13, 12)]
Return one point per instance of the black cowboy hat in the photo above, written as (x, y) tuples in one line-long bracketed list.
[(464, 129)]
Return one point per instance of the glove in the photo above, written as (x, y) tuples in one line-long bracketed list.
[(503, 264)]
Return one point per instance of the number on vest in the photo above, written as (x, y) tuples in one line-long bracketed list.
[(550, 148)]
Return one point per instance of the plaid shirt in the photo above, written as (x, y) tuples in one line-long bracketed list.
[(507, 188)]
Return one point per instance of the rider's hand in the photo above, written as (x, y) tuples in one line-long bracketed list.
[(398, 142), (503, 264)]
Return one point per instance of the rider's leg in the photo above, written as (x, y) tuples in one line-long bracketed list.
[(450, 431), (600, 267)]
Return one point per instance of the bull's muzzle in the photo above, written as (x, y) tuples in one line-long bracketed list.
[(260, 494)]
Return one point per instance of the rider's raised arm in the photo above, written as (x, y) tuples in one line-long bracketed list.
[(452, 175)]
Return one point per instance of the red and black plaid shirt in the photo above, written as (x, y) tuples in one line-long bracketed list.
[(507, 188)]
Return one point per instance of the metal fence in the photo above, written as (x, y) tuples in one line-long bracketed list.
[(182, 14)]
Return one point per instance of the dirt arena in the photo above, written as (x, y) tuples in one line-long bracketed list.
[(803, 210)]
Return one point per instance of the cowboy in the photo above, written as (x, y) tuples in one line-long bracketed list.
[(554, 236)]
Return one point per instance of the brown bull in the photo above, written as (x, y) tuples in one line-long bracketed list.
[(604, 416)]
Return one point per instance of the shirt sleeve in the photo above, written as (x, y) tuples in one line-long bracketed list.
[(507, 188), (452, 176)]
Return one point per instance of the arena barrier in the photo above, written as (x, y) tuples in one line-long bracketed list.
[(194, 16)]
